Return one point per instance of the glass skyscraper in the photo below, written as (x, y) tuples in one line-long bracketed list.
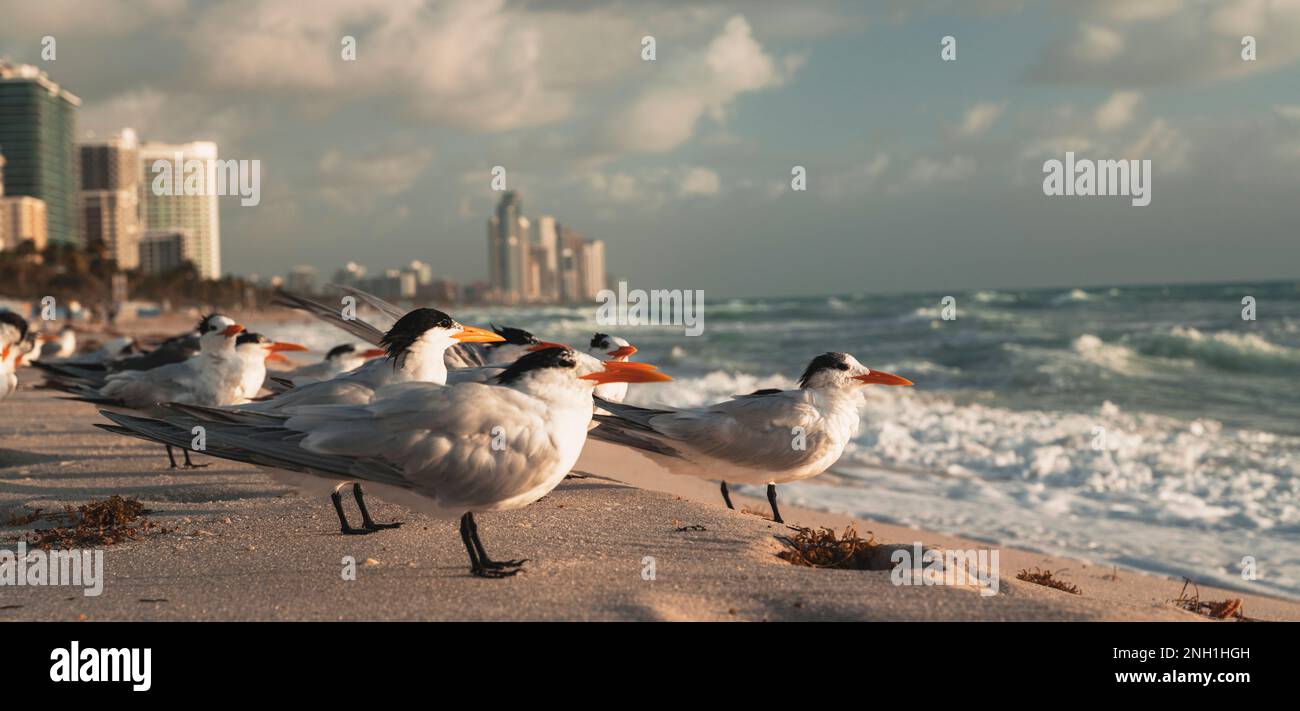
[(37, 138)]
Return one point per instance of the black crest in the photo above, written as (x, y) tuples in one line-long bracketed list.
[(536, 360), (206, 324), (516, 336), (16, 321), (410, 327), (337, 351), (825, 361), (598, 339)]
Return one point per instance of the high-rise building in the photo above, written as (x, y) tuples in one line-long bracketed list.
[(110, 196), (507, 248), (24, 219), (546, 254), (301, 279), (37, 137), (351, 274), (592, 269), (195, 214), (162, 251)]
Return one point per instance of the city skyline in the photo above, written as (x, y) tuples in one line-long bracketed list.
[(920, 174)]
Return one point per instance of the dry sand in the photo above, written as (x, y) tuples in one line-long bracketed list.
[(241, 547)]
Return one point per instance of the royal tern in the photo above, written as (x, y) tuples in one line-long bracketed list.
[(436, 449), (339, 360), (606, 347), (57, 347), (767, 437), (213, 377), (13, 342), (255, 350)]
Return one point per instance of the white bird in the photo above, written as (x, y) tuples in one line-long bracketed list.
[(339, 360), (767, 437), (603, 347), (449, 451), (215, 376), (255, 350), (14, 344), (57, 347), (606, 347)]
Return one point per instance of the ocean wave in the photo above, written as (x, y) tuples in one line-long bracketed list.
[(1073, 295), (1227, 350)]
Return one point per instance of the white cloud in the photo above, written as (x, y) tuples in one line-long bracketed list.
[(980, 117), (1117, 111), (664, 116), (353, 182), (1133, 44), (700, 181), (927, 171), (1096, 44)]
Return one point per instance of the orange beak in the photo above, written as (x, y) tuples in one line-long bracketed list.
[(373, 353), (622, 352), (276, 358), (620, 372), (474, 334), (276, 347), (232, 331), (879, 377), (5, 353), (546, 344)]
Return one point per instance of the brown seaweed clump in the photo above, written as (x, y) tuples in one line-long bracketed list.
[(822, 549), (1222, 610), (1044, 577), (99, 523)]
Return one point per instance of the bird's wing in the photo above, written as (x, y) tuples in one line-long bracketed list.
[(330, 314), (760, 431), (391, 310), (480, 374), (464, 355)]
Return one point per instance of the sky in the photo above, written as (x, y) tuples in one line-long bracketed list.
[(921, 174)]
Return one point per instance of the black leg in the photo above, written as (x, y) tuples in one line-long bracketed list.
[(170, 457), (190, 464), (487, 568), (366, 521), (474, 567), (726, 496), (771, 499), (347, 529)]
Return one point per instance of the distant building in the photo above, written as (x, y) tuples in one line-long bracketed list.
[(194, 215), (351, 274), (37, 136), (302, 280), (546, 255), (507, 248), (423, 272), (592, 269), (110, 196), (162, 251), (24, 218)]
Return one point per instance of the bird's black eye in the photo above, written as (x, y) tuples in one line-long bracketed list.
[(842, 366)]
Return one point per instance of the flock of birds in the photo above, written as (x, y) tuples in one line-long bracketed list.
[(445, 418)]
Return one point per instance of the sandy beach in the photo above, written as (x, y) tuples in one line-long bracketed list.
[(623, 541)]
